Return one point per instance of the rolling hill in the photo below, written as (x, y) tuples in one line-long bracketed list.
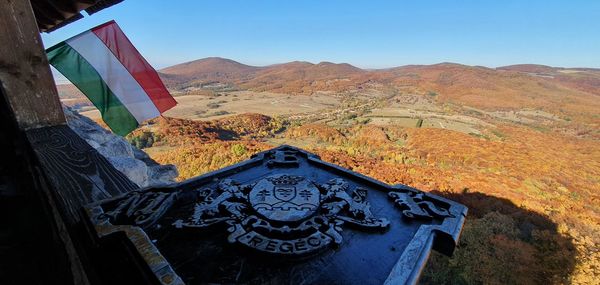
[(564, 92), (209, 69), (569, 93), (518, 144)]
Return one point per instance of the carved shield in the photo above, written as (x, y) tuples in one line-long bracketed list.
[(285, 198), (284, 192), (289, 221)]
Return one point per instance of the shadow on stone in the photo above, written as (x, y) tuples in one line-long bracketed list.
[(502, 243)]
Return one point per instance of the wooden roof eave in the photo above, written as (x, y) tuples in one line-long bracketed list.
[(53, 14)]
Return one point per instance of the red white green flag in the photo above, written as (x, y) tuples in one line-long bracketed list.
[(109, 70)]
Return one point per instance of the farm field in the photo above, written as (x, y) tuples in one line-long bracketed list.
[(203, 107)]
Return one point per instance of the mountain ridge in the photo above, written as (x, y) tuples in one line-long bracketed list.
[(514, 86), (562, 91), (447, 63)]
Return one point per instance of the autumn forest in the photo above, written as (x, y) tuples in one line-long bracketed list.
[(519, 145)]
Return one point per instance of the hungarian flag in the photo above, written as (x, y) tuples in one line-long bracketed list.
[(109, 70)]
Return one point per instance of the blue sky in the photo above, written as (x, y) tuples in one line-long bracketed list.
[(368, 34)]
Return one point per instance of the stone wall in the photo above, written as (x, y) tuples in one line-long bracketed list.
[(133, 162)]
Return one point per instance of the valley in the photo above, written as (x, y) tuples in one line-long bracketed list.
[(519, 145)]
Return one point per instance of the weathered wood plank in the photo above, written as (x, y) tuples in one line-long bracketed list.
[(77, 172), (24, 70)]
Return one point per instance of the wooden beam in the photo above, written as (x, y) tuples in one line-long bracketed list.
[(77, 172), (24, 71)]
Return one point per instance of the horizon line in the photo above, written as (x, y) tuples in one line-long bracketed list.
[(380, 68), (59, 79)]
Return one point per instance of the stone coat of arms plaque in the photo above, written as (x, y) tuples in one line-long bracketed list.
[(283, 216)]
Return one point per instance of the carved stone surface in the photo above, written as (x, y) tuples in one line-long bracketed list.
[(285, 198), (82, 174), (415, 205), (128, 159), (283, 158), (140, 208), (133, 214), (284, 216)]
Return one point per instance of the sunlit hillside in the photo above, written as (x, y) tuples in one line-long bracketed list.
[(519, 145)]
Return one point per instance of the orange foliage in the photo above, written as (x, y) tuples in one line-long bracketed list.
[(322, 133), (202, 158), (554, 175), (544, 229)]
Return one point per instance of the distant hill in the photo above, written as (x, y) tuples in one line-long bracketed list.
[(538, 68), (584, 79), (292, 77), (504, 88), (517, 86), (565, 92), (304, 77), (212, 68)]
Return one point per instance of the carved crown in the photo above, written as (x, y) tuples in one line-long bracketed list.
[(285, 179)]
